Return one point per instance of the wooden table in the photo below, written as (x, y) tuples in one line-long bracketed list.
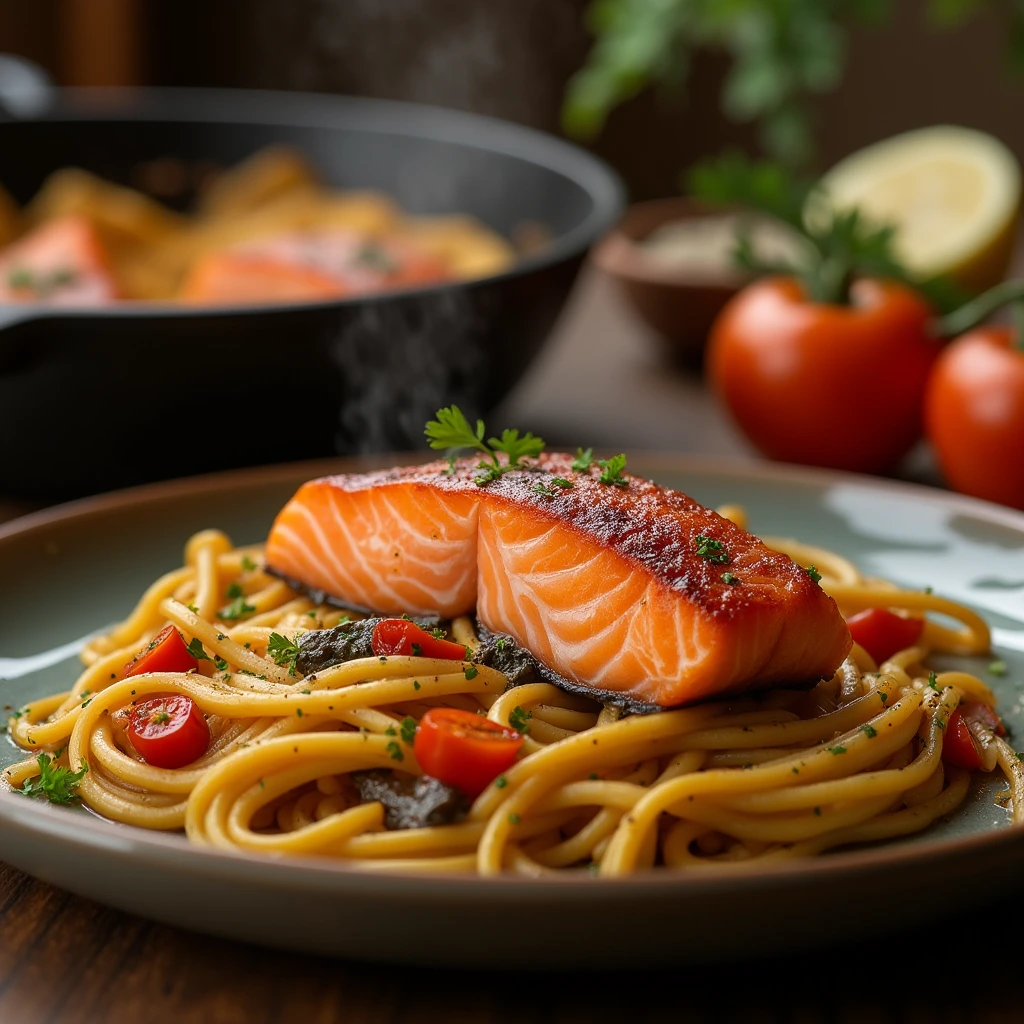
[(69, 960)]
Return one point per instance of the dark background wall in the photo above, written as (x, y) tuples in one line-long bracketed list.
[(511, 58)]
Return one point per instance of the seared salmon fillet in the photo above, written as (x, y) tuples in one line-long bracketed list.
[(634, 589)]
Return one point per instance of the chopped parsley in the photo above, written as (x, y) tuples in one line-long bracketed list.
[(611, 471), (438, 633), (501, 643), (220, 664), (711, 549), (997, 668), (817, 811), (560, 481), (470, 672), (415, 684), (583, 460), (54, 782), (451, 430), (519, 720), (160, 718), (196, 649), (869, 730), (933, 680), (542, 490), (839, 749), (247, 563), (298, 711), (500, 782), (236, 609), (408, 730), (730, 578), (813, 573), (417, 651), (395, 751), (514, 819)]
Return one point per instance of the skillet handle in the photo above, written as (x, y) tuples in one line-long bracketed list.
[(26, 90)]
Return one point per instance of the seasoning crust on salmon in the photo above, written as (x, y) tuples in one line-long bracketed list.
[(627, 587)]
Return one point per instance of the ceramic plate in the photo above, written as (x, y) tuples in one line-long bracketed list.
[(69, 572)]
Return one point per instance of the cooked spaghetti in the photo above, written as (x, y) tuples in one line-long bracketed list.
[(777, 774)]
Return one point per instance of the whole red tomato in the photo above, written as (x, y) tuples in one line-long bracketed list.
[(823, 384), (974, 415)]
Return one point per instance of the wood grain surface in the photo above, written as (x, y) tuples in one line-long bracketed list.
[(68, 960)]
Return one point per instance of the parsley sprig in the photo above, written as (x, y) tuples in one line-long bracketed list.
[(611, 471), (710, 549), (283, 651), (56, 783), (451, 430)]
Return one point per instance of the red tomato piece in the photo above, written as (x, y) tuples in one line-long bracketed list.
[(958, 746), (974, 414), (773, 352), (400, 636), (169, 732), (166, 653), (882, 633), (465, 750), (976, 711)]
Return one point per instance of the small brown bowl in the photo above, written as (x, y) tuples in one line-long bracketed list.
[(680, 305)]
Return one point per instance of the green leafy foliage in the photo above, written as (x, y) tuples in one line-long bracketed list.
[(54, 782), (781, 54), (283, 651), (451, 430)]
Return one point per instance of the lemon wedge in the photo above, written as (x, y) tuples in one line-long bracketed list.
[(953, 193)]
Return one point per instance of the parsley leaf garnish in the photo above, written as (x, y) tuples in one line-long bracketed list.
[(234, 590), (933, 680), (438, 633), (408, 730), (236, 609), (196, 649), (395, 751), (247, 563), (997, 668), (711, 549), (470, 672), (519, 720), (55, 782), (837, 750), (730, 578), (813, 573), (612, 471), (283, 651), (869, 730), (451, 429), (583, 459)]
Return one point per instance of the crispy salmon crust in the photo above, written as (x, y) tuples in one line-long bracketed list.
[(603, 584)]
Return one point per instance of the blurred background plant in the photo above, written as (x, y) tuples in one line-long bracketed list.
[(781, 53)]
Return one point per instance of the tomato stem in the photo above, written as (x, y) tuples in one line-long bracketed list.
[(978, 310)]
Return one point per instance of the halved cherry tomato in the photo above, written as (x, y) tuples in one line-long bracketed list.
[(882, 633), (976, 711), (464, 750), (166, 653), (959, 746), (400, 636), (169, 732)]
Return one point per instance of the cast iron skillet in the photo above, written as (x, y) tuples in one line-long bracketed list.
[(91, 400)]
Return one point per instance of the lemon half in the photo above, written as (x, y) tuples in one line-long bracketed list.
[(953, 193)]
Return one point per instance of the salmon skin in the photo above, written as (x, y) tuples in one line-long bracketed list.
[(633, 589)]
